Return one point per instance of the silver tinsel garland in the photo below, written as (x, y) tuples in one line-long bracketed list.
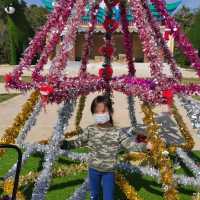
[(29, 124), (193, 110), (189, 163), (82, 157), (188, 181), (152, 172), (131, 110), (143, 170), (43, 181)]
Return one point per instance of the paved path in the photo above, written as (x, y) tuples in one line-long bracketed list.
[(3, 90)]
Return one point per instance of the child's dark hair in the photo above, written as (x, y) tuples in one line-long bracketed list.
[(107, 102)]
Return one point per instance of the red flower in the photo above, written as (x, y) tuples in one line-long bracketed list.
[(108, 72), (7, 78), (106, 50), (168, 95), (110, 25), (45, 89), (166, 34)]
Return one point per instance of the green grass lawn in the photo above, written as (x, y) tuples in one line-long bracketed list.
[(25, 78), (184, 80), (5, 97), (63, 187), (190, 80), (196, 97)]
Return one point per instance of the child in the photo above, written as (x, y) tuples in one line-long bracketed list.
[(105, 141)]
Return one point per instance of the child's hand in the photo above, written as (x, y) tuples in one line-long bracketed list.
[(149, 146)]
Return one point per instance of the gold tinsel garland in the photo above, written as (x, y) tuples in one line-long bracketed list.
[(159, 154), (128, 190), (196, 196), (8, 189), (77, 131), (79, 115), (12, 132), (57, 172), (136, 157), (189, 142)]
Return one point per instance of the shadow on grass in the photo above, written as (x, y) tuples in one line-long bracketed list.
[(65, 161), (41, 160), (195, 155), (1, 191), (27, 190), (140, 182), (152, 187), (119, 194), (186, 191), (71, 183)]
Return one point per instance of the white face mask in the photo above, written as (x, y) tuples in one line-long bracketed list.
[(102, 118)]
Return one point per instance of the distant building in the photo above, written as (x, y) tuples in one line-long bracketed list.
[(117, 36)]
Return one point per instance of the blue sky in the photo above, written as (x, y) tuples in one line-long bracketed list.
[(190, 3)]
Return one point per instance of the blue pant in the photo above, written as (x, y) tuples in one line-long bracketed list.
[(108, 182)]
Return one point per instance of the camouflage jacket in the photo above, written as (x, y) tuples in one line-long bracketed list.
[(105, 144)]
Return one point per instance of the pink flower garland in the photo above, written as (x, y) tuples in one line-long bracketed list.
[(127, 39), (53, 41), (60, 61), (183, 42), (71, 88), (149, 45), (89, 36), (161, 42), (110, 25)]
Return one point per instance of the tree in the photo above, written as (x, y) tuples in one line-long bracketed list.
[(193, 33), (185, 17), (36, 16), (4, 43), (16, 29)]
